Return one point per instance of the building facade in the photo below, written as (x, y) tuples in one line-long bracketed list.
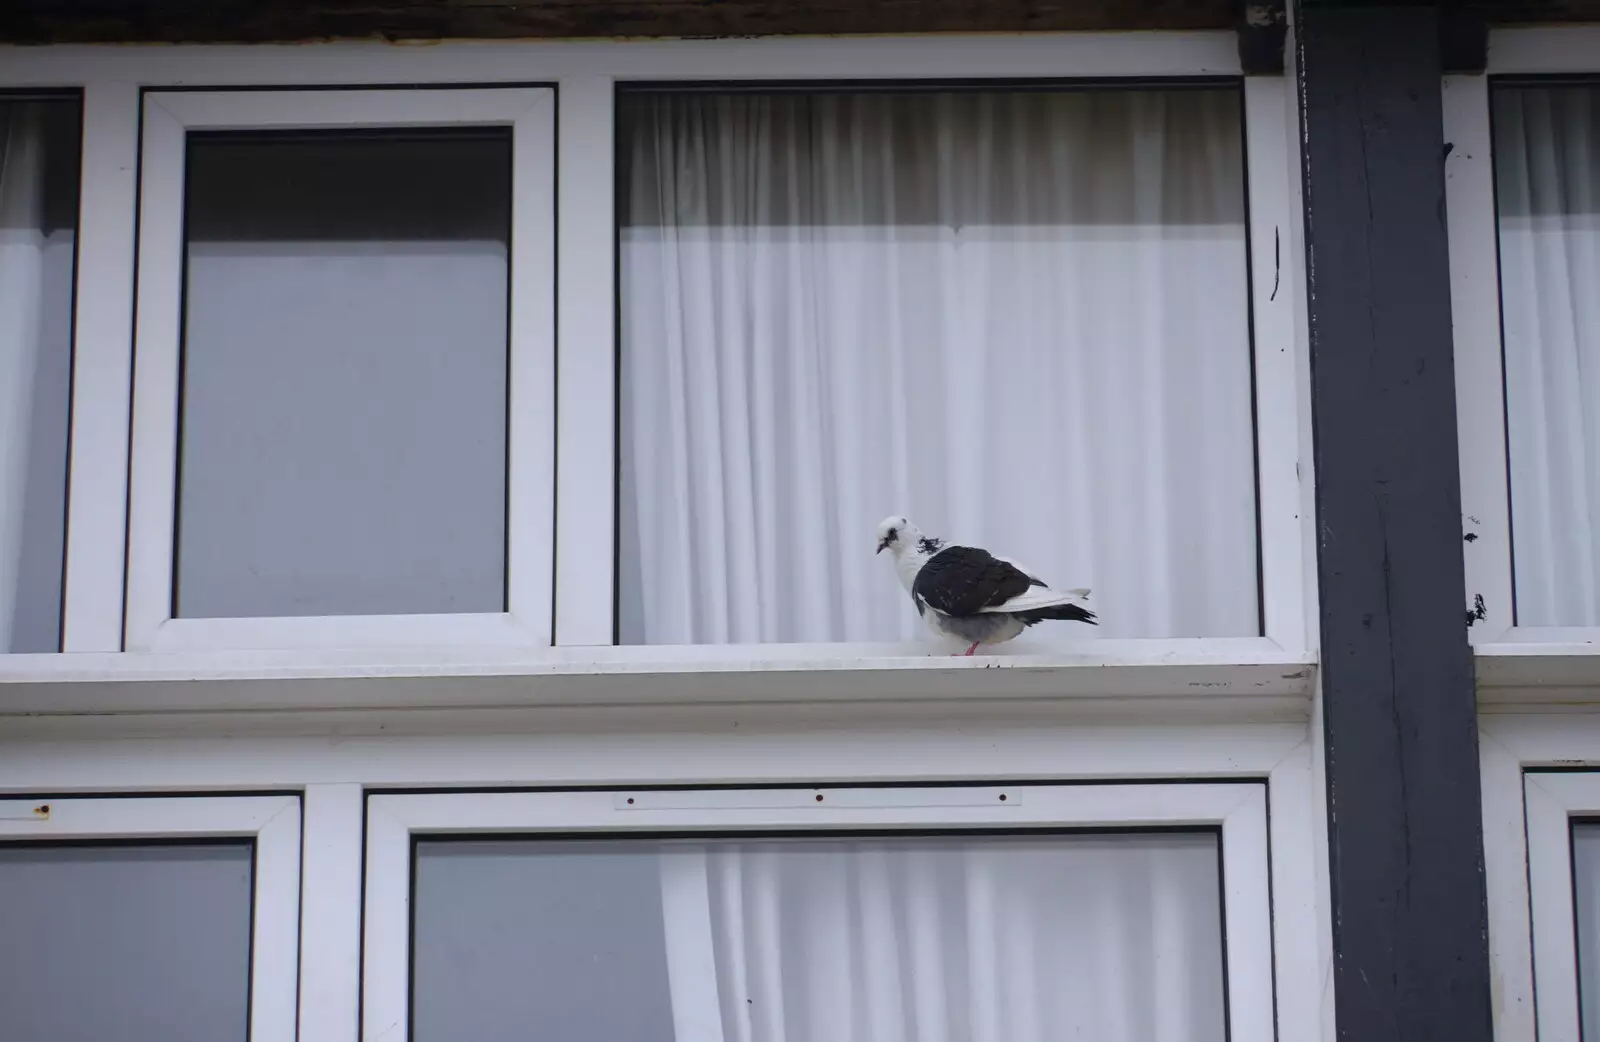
[(440, 450)]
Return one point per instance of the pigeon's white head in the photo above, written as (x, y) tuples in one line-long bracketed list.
[(910, 548), (895, 534)]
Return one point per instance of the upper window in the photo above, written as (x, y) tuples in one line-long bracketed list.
[(342, 420), (38, 223), (344, 387), (1547, 184), (1019, 317), (1022, 313)]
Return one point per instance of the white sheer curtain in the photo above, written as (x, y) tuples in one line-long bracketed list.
[(35, 304), (1019, 318), (1547, 163), (1115, 939)]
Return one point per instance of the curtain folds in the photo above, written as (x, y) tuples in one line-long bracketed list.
[(1115, 939), (1019, 318), (1547, 172)]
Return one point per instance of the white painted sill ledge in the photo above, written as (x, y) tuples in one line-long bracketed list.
[(1531, 674), (475, 678)]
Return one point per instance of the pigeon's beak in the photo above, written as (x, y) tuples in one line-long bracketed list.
[(883, 544)]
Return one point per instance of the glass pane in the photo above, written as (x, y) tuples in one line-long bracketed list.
[(1586, 894), (344, 377), (1114, 938), (38, 231), (1019, 318), (1547, 183), (137, 943)]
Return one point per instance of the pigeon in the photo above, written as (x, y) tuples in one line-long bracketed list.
[(966, 592)]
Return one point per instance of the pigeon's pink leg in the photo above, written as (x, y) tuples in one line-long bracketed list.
[(974, 646)]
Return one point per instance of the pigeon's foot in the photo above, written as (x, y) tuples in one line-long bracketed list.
[(974, 647)]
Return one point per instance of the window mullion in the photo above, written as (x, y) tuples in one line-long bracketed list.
[(102, 369), (330, 917), (1480, 380), (1283, 483), (586, 395)]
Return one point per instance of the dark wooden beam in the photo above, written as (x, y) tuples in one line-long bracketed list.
[(1400, 726), (1259, 22), (248, 21), (1463, 41)]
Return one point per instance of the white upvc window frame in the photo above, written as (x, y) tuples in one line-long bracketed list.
[(272, 822), (1239, 809), (1538, 687), (586, 77), (383, 753), (1476, 305), (1554, 800), (168, 118), (1527, 816)]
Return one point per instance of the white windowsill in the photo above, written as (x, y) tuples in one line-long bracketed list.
[(1523, 673), (130, 683)]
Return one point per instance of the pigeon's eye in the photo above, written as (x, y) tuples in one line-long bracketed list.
[(894, 533)]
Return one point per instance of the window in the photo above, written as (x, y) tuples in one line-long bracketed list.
[(344, 406), (876, 937), (1523, 180), (839, 913), (400, 225), (38, 224), (1020, 317), (1541, 828), (151, 920), (345, 308), (1547, 181), (1038, 304), (1564, 882), (158, 933), (1586, 906)]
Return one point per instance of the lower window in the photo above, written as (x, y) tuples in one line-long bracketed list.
[(1101, 911), (1563, 809), (149, 920)]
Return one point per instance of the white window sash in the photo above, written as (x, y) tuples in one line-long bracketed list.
[(1553, 800), (168, 116), (1527, 847), (1239, 809), (1475, 305), (586, 568), (274, 824)]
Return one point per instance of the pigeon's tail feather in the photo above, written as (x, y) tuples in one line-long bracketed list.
[(1037, 597), (1062, 612)]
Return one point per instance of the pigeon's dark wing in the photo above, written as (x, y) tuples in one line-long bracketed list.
[(963, 580)]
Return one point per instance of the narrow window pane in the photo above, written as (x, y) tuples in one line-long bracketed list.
[(1112, 938), (38, 225), (1019, 318), (344, 376), (137, 943), (1547, 182), (1586, 893)]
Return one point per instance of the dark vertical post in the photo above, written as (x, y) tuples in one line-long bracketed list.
[(1406, 849)]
